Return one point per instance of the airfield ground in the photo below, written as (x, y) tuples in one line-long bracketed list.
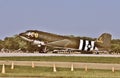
[(47, 72), (4, 54), (98, 66)]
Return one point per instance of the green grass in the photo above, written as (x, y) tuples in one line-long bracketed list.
[(114, 60), (47, 72)]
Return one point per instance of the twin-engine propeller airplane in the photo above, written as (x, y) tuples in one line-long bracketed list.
[(45, 39)]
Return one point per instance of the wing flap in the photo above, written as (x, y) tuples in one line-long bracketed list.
[(60, 43)]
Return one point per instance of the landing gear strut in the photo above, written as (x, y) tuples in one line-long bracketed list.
[(42, 49)]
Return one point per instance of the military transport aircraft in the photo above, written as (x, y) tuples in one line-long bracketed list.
[(44, 39)]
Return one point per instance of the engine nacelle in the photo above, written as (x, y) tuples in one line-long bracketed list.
[(36, 42)]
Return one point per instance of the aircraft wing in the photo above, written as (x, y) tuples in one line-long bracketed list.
[(60, 43)]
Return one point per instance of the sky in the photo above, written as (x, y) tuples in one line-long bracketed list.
[(88, 18)]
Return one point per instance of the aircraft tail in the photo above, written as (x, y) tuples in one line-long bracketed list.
[(104, 41)]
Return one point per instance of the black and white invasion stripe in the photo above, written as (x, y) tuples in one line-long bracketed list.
[(86, 45)]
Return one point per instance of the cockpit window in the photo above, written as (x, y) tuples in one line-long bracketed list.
[(32, 34)]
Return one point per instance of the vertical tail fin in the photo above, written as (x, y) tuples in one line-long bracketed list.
[(104, 41)]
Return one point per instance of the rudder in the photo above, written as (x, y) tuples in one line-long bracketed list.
[(104, 41)]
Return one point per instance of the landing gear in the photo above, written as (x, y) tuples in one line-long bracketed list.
[(97, 52), (42, 49)]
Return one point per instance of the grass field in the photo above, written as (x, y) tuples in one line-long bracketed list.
[(113, 60), (47, 72)]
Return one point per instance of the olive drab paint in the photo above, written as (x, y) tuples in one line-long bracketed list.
[(41, 39)]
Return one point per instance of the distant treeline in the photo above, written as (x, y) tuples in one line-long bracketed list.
[(16, 43)]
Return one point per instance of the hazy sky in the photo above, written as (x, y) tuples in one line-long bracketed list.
[(66, 17)]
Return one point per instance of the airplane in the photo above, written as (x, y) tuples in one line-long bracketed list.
[(45, 39)]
